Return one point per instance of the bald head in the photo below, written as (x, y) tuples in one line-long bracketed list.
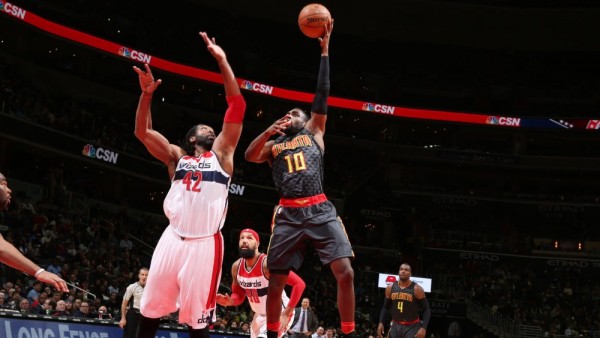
[(5, 193)]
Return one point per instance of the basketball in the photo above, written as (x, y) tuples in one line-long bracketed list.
[(312, 20)]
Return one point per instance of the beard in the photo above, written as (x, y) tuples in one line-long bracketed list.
[(204, 142), (246, 252), (293, 129)]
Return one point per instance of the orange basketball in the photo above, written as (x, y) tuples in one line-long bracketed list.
[(312, 20)]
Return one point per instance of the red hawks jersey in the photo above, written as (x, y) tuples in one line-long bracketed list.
[(252, 279), (196, 204)]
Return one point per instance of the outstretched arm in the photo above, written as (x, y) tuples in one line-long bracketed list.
[(156, 143), (237, 292), (228, 138), (318, 117), (12, 257)]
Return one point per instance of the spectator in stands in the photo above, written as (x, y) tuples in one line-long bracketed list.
[(126, 243), (234, 326), (7, 286), (54, 267), (56, 296), (61, 309), (68, 308), (76, 304), (103, 313), (84, 311), (24, 306), (34, 293), (245, 328), (13, 302), (38, 305), (48, 307), (320, 333), (2, 300)]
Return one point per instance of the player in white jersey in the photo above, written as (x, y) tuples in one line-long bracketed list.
[(251, 279), (185, 271)]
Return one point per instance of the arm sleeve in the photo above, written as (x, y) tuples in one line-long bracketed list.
[(426, 312), (384, 310), (319, 105), (237, 294), (236, 107), (298, 286)]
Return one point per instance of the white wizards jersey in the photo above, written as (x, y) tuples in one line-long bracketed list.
[(252, 279), (196, 204)]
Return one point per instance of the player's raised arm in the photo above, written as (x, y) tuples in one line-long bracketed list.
[(318, 116), (155, 142), (228, 138)]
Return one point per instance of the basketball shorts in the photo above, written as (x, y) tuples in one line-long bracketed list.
[(293, 227), (184, 274)]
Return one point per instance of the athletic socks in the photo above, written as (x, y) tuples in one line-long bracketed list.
[(347, 327)]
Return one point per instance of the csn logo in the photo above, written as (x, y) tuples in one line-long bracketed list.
[(134, 55), (13, 10), (100, 153), (256, 87), (378, 108), (503, 121), (237, 189)]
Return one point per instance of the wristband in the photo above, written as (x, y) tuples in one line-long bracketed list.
[(38, 272)]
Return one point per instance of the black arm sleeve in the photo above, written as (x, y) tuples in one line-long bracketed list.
[(384, 310), (319, 105), (426, 312)]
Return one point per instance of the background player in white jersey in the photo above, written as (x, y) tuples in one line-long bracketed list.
[(186, 263), (251, 279)]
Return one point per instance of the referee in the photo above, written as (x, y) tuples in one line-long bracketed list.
[(130, 308)]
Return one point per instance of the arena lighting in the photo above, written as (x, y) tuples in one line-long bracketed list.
[(385, 278)]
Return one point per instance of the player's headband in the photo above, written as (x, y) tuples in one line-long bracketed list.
[(254, 233)]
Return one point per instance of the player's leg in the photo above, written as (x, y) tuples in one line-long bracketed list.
[(277, 281), (331, 242), (258, 327), (161, 290), (344, 275), (199, 281), (282, 255)]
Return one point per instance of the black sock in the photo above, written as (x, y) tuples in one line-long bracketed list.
[(271, 334), (147, 327), (198, 333)]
